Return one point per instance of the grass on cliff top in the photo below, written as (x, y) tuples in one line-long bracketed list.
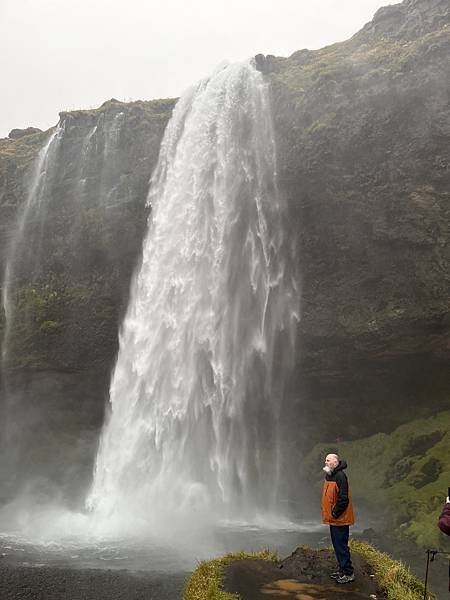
[(407, 472), (156, 108), (24, 147), (394, 578), (206, 582), (362, 58)]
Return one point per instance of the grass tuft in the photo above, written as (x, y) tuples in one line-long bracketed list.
[(206, 582), (394, 578)]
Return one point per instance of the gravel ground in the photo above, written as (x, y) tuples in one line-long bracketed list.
[(51, 583)]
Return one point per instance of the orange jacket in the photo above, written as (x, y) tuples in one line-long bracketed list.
[(337, 507)]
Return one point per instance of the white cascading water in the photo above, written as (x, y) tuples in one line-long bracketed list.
[(94, 184), (195, 395)]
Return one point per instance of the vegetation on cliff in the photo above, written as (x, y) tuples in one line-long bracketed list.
[(405, 473), (394, 578)]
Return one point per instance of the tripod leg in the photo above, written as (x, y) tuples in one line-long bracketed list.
[(426, 576)]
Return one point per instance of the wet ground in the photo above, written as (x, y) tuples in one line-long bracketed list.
[(119, 570), (305, 575), (57, 583), (71, 570)]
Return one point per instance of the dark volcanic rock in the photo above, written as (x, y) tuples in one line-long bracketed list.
[(304, 574), (363, 131), (412, 18)]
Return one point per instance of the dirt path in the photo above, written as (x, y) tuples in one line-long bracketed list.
[(305, 575)]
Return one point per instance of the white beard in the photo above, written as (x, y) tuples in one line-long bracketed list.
[(328, 470)]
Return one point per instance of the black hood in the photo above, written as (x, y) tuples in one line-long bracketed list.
[(341, 466)]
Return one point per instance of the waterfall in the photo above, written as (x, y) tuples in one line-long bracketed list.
[(207, 337), (76, 180), (32, 216)]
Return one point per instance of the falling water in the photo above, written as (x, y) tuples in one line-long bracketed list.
[(33, 209), (95, 179), (76, 174), (204, 346), (32, 214)]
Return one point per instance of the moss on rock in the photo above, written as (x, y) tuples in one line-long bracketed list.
[(405, 472)]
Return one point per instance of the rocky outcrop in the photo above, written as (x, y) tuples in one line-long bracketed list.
[(15, 134), (409, 20)]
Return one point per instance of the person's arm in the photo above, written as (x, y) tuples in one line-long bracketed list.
[(444, 519), (342, 497)]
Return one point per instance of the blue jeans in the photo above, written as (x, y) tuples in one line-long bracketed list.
[(339, 539)]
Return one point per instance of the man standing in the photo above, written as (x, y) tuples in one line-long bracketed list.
[(337, 512)]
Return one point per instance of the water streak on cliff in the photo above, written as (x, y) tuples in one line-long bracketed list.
[(207, 337), (35, 205)]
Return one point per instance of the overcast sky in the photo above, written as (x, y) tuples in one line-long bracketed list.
[(65, 54)]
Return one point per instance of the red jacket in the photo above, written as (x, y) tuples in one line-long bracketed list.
[(444, 519)]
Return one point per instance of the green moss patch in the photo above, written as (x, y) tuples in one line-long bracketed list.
[(206, 582), (406, 473)]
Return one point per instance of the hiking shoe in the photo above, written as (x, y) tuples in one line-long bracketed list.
[(346, 578), (336, 575)]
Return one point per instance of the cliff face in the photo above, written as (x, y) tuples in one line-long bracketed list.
[(71, 267), (363, 136), (363, 132), (82, 239)]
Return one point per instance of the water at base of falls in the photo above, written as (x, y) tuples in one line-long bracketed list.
[(193, 434), (149, 558)]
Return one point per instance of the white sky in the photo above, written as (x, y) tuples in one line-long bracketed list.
[(65, 54)]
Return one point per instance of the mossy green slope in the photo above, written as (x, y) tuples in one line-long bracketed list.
[(406, 473)]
